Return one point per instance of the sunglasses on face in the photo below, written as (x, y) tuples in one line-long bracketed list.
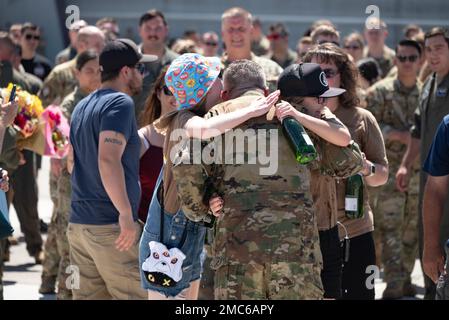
[(30, 36), (167, 91), (330, 73), (140, 68), (333, 42), (321, 100), (349, 47), (409, 58), (212, 44), (274, 36)]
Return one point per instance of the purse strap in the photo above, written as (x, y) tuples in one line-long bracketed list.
[(161, 233)]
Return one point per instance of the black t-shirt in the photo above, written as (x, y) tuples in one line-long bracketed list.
[(39, 66)]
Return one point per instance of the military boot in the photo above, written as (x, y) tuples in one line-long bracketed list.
[(409, 289), (47, 285), (393, 291)]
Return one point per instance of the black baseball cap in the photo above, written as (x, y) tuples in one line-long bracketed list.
[(122, 52), (306, 80)]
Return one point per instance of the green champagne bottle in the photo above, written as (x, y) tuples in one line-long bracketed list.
[(354, 197), (300, 141)]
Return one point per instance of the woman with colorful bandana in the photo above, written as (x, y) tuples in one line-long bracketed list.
[(169, 238)]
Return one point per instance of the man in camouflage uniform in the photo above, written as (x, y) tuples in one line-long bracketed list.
[(393, 102), (268, 225), (376, 48), (236, 26), (60, 218), (60, 83), (9, 155)]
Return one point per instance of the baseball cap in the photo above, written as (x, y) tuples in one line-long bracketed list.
[(306, 80), (122, 52), (190, 76)]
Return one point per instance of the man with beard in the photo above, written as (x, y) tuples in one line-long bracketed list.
[(153, 31), (104, 160)]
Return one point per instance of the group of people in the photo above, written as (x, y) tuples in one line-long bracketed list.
[(141, 218)]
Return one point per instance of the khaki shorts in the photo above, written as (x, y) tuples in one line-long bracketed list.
[(104, 272)]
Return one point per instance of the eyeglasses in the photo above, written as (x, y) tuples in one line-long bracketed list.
[(141, 68), (409, 58), (212, 44), (321, 100), (352, 47), (326, 41), (330, 73), (167, 91), (30, 36), (274, 36)]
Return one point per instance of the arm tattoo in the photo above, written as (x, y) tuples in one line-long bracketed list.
[(112, 140)]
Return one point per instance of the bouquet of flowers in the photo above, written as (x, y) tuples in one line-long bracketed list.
[(30, 109), (56, 132), (52, 136)]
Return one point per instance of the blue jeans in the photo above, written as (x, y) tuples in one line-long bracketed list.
[(174, 228)]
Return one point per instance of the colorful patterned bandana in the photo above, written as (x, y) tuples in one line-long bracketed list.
[(190, 77)]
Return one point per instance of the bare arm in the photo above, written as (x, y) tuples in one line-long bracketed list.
[(435, 194), (110, 150), (150, 137), (70, 160), (201, 128), (380, 177), (332, 132)]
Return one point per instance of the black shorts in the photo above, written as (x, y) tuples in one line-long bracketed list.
[(331, 275)]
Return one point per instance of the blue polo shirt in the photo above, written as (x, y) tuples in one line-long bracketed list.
[(103, 110), (437, 162)]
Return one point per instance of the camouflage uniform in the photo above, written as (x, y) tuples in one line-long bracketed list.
[(292, 57), (9, 155), (60, 82), (272, 69), (261, 47), (60, 218), (266, 243), (386, 62), (396, 213)]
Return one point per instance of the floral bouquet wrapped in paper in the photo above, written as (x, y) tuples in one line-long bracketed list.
[(52, 137), (56, 132), (30, 109)]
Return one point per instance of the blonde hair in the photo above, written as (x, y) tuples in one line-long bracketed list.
[(237, 12)]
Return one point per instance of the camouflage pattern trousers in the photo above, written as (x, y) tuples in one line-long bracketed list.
[(396, 228), (273, 281), (57, 258)]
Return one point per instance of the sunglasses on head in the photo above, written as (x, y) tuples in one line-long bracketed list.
[(412, 58), (30, 36), (330, 73), (167, 91)]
